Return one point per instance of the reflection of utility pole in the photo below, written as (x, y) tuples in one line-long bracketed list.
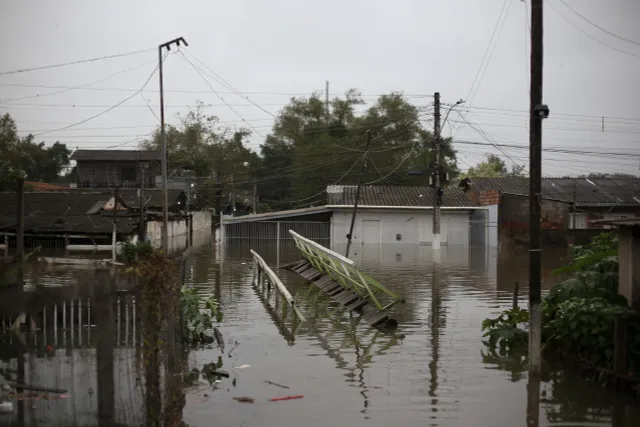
[(163, 136), (435, 334), (437, 198), (355, 203), (537, 112)]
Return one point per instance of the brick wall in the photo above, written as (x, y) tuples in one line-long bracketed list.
[(484, 198), (513, 221)]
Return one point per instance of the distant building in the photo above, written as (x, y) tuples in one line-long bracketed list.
[(389, 216), (83, 218), (569, 206), (117, 168)]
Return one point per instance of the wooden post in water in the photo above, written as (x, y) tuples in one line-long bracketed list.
[(620, 347), (104, 354)]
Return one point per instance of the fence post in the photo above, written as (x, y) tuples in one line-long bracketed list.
[(620, 346), (278, 244)]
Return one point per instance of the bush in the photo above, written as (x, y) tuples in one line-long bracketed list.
[(129, 251)]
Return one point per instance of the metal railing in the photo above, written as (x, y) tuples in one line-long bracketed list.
[(263, 276), (344, 271)]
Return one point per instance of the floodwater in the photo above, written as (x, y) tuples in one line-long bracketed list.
[(431, 371)]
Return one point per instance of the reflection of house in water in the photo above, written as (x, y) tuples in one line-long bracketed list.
[(85, 341)]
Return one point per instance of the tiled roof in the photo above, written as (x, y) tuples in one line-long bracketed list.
[(153, 198), (60, 212), (344, 195), (41, 186), (116, 155), (608, 191)]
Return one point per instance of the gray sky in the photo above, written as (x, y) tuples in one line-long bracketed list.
[(273, 49)]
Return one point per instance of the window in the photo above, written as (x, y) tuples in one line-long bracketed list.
[(128, 174), (398, 237)]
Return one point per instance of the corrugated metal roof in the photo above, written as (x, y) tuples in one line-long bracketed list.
[(587, 191), (405, 196), (116, 155)]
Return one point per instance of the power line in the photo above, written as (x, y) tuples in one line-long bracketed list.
[(114, 89), (598, 26), (557, 12), (108, 109), (46, 67), (79, 86)]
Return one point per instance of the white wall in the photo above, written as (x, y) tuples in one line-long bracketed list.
[(201, 222), (413, 226)]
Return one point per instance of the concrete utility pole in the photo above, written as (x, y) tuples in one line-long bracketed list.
[(165, 194), (355, 203), (537, 112), (326, 102), (437, 189), (254, 199)]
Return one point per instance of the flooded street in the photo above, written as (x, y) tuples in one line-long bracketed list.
[(432, 370)]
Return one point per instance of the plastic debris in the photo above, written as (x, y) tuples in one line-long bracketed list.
[(244, 399), (242, 367)]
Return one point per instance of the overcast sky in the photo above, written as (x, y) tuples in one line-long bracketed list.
[(271, 50)]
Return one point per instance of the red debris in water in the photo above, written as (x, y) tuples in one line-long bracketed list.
[(277, 399), (49, 348)]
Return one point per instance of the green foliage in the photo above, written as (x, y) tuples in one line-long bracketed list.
[(130, 251), (23, 158), (198, 316), (584, 326), (494, 167), (601, 255), (307, 149), (578, 314), (506, 332)]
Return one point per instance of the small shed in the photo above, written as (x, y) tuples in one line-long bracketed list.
[(629, 256)]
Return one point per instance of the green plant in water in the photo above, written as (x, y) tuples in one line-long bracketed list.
[(507, 331), (585, 326), (198, 316)]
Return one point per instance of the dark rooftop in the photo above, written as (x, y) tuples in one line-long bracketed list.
[(401, 196), (609, 191), (116, 155), (63, 212)]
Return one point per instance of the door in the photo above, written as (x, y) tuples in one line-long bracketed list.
[(371, 239), (371, 232)]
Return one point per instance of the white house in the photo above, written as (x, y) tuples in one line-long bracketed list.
[(398, 214)]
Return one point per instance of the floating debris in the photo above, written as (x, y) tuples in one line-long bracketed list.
[(276, 384), (242, 367), (244, 399)]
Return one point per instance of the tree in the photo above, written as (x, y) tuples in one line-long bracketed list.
[(199, 145), (310, 148), (492, 167), (22, 157)]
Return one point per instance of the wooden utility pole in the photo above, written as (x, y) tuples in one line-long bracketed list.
[(326, 104), (537, 112), (355, 203), (233, 198), (114, 232), (437, 190), (163, 137), (254, 199), (20, 222)]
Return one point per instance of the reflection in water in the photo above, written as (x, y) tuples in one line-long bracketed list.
[(350, 374)]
